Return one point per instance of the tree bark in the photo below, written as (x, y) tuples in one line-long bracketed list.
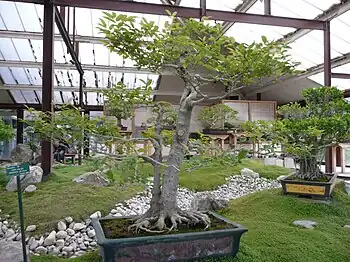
[(308, 169), (176, 156)]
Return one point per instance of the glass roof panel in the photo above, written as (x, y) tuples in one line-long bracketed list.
[(17, 95), (8, 49), (30, 96), (323, 5), (39, 95), (190, 3), (23, 49), (20, 75), (9, 14), (29, 16), (7, 76), (34, 76), (342, 84), (225, 5)]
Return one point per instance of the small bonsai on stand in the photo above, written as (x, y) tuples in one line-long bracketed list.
[(217, 118)]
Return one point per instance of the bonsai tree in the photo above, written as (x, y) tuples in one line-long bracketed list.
[(120, 100), (305, 131), (196, 52), (216, 116), (6, 131)]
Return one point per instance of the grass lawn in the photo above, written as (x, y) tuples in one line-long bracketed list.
[(272, 238), (59, 197)]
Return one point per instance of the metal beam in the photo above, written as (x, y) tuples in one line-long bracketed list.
[(31, 64), (85, 89), (335, 62), (47, 82), (333, 12), (243, 7), (341, 75), (267, 7), (188, 12), (39, 36), (67, 41), (38, 107)]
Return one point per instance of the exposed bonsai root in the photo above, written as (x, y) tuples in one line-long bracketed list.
[(167, 221)]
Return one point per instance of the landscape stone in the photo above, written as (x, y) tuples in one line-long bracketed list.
[(60, 243), (41, 250), (248, 172), (61, 235), (30, 189), (79, 226), (70, 232), (305, 223), (92, 178), (91, 233), (207, 201), (50, 239), (34, 177), (61, 225), (34, 245), (69, 220), (31, 228), (281, 177), (11, 251), (347, 226)]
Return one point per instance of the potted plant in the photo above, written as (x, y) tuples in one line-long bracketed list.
[(165, 232), (122, 100), (217, 119), (304, 132)]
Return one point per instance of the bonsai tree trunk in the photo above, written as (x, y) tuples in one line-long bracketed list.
[(309, 169), (164, 201)]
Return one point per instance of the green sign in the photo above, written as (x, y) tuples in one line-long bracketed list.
[(17, 170)]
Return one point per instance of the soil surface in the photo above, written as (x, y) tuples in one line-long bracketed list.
[(118, 228), (320, 179)]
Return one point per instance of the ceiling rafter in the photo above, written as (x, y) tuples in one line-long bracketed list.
[(335, 62), (333, 12), (243, 7)]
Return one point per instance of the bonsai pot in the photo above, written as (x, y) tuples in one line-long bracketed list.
[(308, 188), (215, 131), (178, 246)]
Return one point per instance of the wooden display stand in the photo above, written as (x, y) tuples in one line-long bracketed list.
[(339, 159)]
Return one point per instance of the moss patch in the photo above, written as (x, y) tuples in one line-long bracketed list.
[(59, 197), (118, 228)]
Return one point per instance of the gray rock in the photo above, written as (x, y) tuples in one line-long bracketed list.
[(97, 214), (82, 246), (91, 233), (34, 245), (21, 154), (61, 234), (41, 250), (30, 189), (79, 226), (93, 243), (71, 225), (19, 237), (305, 223), (31, 228), (41, 241), (248, 172), (347, 187), (92, 178), (70, 232), (34, 177), (67, 249), (80, 253), (60, 243), (11, 251), (347, 226), (9, 233), (51, 239), (207, 201), (281, 177), (69, 220), (61, 226)]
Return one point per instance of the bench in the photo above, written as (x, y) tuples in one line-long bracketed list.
[(69, 155)]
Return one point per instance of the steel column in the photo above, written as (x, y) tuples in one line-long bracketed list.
[(203, 6), (327, 82), (48, 57), (267, 7), (20, 126)]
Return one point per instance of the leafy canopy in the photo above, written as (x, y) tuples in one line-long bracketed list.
[(305, 131), (6, 131), (188, 48), (215, 116)]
